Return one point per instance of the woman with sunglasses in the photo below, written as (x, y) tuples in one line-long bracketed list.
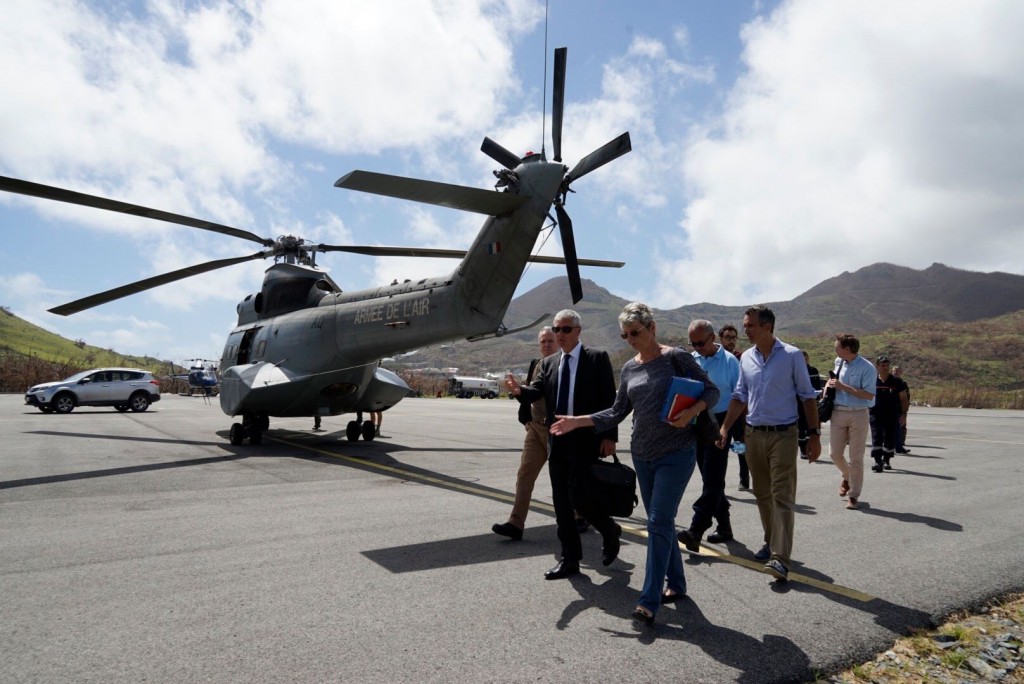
[(664, 454)]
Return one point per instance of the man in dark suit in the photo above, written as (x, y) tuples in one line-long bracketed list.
[(578, 381)]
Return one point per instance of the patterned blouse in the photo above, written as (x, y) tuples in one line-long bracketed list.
[(642, 390)]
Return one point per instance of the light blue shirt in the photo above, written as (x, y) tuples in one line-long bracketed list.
[(859, 373), (724, 370), (771, 387)]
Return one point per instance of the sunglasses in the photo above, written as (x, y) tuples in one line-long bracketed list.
[(631, 333), (697, 345), (564, 329)]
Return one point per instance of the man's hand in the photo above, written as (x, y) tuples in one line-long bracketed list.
[(513, 385), (607, 448), (813, 448), (723, 437)]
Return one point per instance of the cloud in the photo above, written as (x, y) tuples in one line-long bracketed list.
[(860, 132)]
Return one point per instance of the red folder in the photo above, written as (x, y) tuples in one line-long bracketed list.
[(682, 394)]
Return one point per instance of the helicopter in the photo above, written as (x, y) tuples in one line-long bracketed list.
[(302, 346), (202, 377)]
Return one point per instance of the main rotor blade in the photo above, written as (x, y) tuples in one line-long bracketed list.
[(572, 267), (450, 254), (557, 102), (149, 283), (609, 151), (480, 201), (61, 195), (500, 154)]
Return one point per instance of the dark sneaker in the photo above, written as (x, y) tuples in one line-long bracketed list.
[(743, 487), (776, 569), (887, 465), (690, 540), (764, 554)]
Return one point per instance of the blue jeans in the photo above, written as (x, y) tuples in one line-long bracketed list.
[(662, 483)]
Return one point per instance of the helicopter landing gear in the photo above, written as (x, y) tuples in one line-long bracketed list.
[(352, 430), (251, 427), (369, 431)]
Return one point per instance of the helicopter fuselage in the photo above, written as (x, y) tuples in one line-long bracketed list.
[(303, 347)]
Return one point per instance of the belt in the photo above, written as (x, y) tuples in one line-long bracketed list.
[(851, 408), (772, 428)]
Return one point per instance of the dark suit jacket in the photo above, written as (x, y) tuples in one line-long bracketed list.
[(525, 413), (594, 391)]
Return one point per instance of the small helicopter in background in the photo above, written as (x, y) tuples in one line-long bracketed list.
[(202, 377), (303, 347)]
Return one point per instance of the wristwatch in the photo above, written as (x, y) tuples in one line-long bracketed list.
[(814, 431)]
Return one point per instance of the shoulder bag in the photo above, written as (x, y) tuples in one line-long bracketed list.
[(828, 399)]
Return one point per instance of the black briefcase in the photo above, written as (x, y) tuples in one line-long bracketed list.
[(613, 487)]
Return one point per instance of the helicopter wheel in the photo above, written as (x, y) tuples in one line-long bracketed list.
[(262, 422), (352, 431), (255, 437), (237, 434), (369, 431)]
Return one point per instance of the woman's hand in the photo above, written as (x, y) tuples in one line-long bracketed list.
[(686, 417), (564, 425)]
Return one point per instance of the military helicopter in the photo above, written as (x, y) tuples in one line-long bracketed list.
[(304, 347)]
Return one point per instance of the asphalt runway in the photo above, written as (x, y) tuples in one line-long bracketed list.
[(144, 547)]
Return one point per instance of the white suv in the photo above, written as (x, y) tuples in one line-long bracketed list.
[(122, 388)]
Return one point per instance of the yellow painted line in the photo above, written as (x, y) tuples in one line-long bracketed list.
[(754, 565), (629, 529)]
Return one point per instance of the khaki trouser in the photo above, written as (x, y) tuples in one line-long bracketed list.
[(849, 427), (535, 453), (771, 457)]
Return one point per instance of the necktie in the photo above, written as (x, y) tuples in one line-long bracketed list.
[(562, 406)]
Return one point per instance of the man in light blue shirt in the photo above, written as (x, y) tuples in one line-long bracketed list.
[(724, 370), (773, 378), (855, 394)]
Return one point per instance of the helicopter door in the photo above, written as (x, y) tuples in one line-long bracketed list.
[(245, 346)]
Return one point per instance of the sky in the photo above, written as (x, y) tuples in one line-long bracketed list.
[(775, 143)]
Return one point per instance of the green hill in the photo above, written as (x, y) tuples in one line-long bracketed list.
[(29, 354)]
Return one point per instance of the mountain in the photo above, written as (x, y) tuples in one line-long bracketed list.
[(870, 300)]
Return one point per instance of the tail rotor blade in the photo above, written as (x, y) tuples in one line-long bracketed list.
[(572, 266), (608, 152), (500, 154), (557, 102)]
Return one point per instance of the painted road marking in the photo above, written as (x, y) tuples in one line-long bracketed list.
[(638, 532)]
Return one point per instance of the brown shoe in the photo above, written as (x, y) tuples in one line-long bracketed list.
[(851, 503), (844, 488)]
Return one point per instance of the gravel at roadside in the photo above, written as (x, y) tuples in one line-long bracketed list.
[(979, 646)]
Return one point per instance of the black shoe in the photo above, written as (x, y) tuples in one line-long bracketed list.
[(903, 451), (690, 540), (582, 525), (641, 615), (610, 551), (507, 530), (673, 597), (877, 468), (563, 570), (721, 535), (887, 465), (764, 554)]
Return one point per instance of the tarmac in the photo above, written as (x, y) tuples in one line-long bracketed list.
[(144, 547)]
